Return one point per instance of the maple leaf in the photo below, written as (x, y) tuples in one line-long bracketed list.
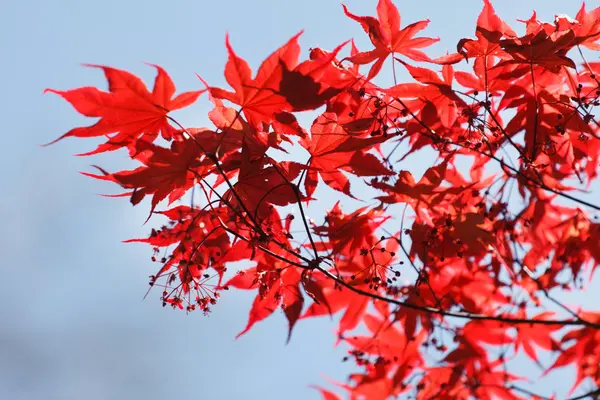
[(129, 110), (490, 29), (390, 342), (490, 79), (333, 149), (587, 28), (584, 351), (540, 336), (437, 96), (168, 172), (350, 232), (278, 281), (236, 131), (406, 189), (452, 387), (259, 96), (314, 82), (388, 39), (543, 49), (278, 287), (260, 185), (339, 299)]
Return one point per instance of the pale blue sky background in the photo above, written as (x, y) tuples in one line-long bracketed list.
[(73, 325)]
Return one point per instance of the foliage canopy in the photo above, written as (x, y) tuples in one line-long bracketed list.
[(444, 281)]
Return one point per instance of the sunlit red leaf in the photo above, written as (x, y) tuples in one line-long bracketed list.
[(129, 110)]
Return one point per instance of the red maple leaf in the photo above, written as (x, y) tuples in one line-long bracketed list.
[(167, 172), (333, 150), (258, 96), (587, 28), (543, 49), (262, 183), (583, 350), (490, 29), (278, 284), (128, 110), (388, 39), (315, 81), (339, 299), (439, 101)]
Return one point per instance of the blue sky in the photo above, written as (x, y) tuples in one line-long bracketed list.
[(74, 323)]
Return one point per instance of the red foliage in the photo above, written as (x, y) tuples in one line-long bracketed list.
[(441, 307)]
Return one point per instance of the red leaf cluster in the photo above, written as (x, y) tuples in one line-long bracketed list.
[(442, 280)]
